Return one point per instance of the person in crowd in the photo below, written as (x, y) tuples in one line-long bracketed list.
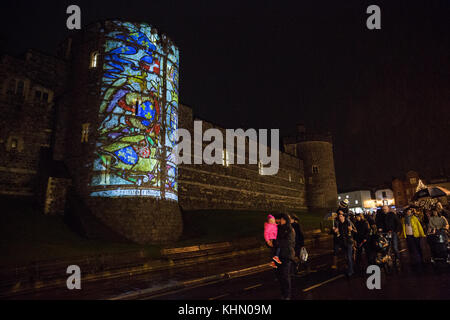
[(343, 231), (371, 246), (370, 219), (380, 219), (437, 222), (270, 235), (286, 243), (392, 225), (426, 219), (435, 225), (443, 212), (343, 206), (299, 243), (361, 238), (412, 231)]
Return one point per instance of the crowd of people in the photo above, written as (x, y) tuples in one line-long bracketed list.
[(354, 235)]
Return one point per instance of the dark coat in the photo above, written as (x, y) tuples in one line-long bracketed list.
[(286, 241), (345, 237), (299, 238), (343, 209), (392, 222), (380, 220), (362, 231)]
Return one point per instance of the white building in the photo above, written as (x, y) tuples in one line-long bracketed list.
[(359, 200), (384, 197)]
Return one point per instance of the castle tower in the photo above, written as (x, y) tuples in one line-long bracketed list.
[(122, 114), (316, 151)]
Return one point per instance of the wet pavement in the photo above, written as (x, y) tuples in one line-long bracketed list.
[(321, 284), (325, 284)]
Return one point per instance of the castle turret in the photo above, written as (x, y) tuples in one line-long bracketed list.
[(123, 113), (316, 151)]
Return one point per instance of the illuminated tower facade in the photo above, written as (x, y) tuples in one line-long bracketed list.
[(123, 114)]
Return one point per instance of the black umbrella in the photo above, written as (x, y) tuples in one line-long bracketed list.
[(431, 192)]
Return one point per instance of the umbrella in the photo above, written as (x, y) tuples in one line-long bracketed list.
[(431, 192)]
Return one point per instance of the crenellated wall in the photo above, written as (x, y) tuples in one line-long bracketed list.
[(240, 186)]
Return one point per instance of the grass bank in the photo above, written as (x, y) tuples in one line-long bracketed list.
[(26, 235)]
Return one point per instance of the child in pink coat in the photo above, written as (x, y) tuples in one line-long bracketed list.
[(270, 234)]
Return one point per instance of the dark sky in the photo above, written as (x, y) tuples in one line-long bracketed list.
[(383, 94)]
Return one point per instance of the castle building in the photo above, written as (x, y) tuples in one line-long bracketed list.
[(91, 132)]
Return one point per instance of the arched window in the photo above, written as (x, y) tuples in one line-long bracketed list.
[(94, 60)]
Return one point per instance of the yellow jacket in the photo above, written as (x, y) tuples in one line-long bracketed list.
[(416, 227)]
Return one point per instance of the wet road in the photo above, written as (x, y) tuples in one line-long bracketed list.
[(326, 284), (322, 283)]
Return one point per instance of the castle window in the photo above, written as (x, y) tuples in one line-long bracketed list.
[(260, 168), (37, 95), (19, 89), (94, 60), (225, 158), (290, 178), (315, 169), (413, 181), (302, 180), (84, 132), (356, 201), (14, 144)]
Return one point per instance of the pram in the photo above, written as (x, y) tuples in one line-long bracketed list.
[(440, 247)]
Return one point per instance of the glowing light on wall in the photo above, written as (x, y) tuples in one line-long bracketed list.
[(139, 115)]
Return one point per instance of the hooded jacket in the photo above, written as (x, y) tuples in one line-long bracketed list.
[(270, 231), (286, 241)]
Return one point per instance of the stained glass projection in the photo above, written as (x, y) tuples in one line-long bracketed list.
[(139, 115)]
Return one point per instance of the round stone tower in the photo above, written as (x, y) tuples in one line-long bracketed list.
[(316, 151), (122, 114)]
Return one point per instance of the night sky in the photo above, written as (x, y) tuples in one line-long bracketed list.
[(383, 94)]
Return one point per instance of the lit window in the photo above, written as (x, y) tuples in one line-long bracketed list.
[(94, 59), (225, 158), (346, 196), (84, 132), (13, 144), (339, 198), (356, 201), (413, 181), (260, 168), (290, 178), (315, 169)]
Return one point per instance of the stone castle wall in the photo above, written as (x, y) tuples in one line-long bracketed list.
[(26, 124), (239, 186)]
